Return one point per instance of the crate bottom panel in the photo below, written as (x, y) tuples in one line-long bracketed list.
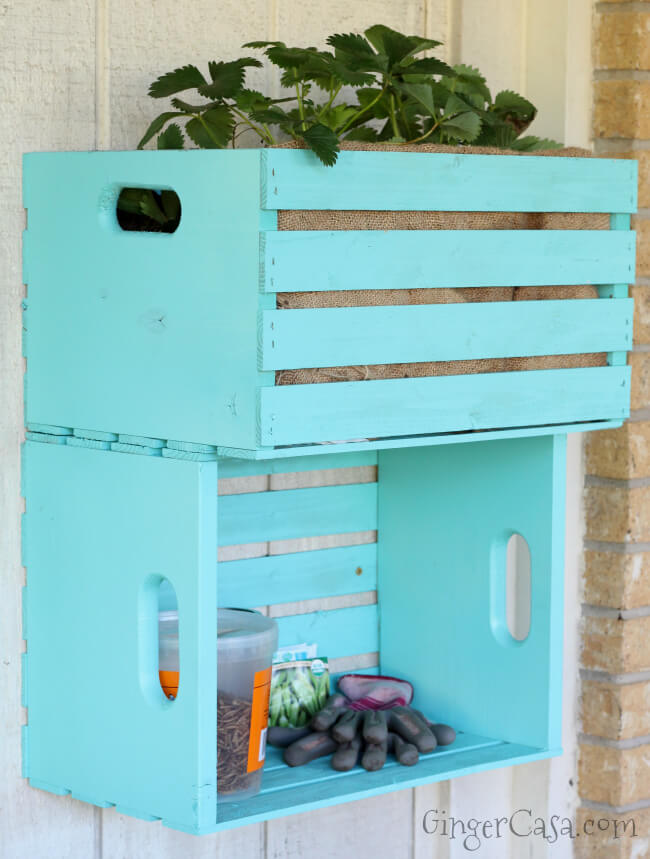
[(287, 790), (200, 452)]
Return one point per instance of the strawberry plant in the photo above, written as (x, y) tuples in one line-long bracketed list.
[(379, 87)]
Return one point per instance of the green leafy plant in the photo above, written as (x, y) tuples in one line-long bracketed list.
[(379, 87)]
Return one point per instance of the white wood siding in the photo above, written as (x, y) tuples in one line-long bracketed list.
[(74, 75)]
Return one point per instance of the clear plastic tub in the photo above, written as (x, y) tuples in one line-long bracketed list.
[(246, 641)]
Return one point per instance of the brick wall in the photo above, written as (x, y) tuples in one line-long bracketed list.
[(614, 763)]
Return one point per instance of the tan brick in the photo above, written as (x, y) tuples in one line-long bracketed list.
[(618, 514), (622, 40), (621, 109), (642, 227), (640, 393), (615, 711), (614, 776), (622, 453), (617, 580), (604, 835), (641, 296), (616, 646)]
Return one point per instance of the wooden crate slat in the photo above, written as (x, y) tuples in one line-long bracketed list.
[(298, 414), (289, 464), (288, 513), (331, 337), (439, 182), (341, 632), (298, 576), (416, 259)]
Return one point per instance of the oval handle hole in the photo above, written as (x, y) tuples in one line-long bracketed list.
[(168, 654), (144, 210), (518, 587)]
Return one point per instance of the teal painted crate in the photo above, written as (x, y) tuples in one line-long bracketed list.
[(102, 528), (177, 337)]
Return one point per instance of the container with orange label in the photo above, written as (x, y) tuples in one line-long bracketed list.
[(246, 641)]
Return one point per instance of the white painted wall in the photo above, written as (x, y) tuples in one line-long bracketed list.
[(73, 75)]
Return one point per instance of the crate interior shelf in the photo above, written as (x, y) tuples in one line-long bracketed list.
[(187, 336)]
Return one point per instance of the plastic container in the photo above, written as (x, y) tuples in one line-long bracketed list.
[(246, 641)]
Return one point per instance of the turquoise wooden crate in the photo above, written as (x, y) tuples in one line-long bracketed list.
[(177, 337), (103, 528)]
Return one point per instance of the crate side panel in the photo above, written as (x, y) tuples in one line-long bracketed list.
[(299, 414), (149, 334), (402, 259), (334, 337), (452, 511), (102, 526), (296, 179)]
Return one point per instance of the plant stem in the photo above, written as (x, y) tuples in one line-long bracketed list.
[(301, 106), (265, 135), (435, 125), (370, 104), (328, 104), (393, 118)]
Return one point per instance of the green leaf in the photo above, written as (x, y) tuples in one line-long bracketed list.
[(351, 44), (185, 107), (323, 142), (250, 99), (171, 138), (217, 135), (363, 133), (336, 117), (468, 81), (422, 94), (171, 205), (261, 44), (141, 201), (454, 104), (533, 144), (427, 66), (464, 126), (288, 58), (397, 46), (269, 116), (508, 101), (129, 199), (379, 110), (181, 79), (500, 134), (227, 78), (156, 125)]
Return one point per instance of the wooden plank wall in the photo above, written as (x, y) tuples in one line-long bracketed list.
[(74, 75)]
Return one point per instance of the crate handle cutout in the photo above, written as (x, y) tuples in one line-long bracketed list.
[(157, 597), (510, 589), (145, 210)]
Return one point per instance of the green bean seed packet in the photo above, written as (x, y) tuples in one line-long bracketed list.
[(299, 689)]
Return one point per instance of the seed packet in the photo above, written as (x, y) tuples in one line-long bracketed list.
[(299, 689)]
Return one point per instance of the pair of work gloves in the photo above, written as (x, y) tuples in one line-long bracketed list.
[(366, 720)]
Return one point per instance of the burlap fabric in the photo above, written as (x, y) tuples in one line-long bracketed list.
[(409, 220)]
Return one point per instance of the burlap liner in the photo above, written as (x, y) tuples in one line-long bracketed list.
[(410, 220)]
